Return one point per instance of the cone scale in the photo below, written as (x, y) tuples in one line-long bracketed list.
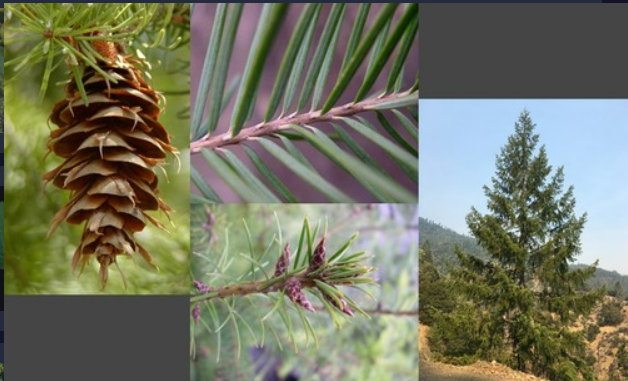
[(110, 149)]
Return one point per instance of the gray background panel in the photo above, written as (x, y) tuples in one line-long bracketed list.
[(97, 338), (523, 51)]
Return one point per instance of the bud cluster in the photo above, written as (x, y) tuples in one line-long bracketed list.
[(294, 288)]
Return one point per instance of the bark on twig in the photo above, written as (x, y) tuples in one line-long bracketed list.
[(250, 288), (274, 126)]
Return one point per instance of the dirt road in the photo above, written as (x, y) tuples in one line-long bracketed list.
[(434, 372), (477, 372)]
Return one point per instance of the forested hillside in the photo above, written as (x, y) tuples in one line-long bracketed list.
[(615, 283), (443, 240)]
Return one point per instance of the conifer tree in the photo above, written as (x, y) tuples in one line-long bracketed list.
[(618, 290), (435, 291), (528, 291)]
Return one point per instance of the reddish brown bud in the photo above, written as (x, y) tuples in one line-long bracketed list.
[(318, 257), (196, 313), (293, 289), (303, 302), (346, 309), (283, 262), (201, 287), (343, 307)]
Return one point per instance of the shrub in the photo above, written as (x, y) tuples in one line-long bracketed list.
[(610, 315), (592, 331), (458, 336)]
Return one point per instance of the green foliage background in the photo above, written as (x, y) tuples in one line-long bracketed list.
[(38, 265), (382, 348), (2, 236)]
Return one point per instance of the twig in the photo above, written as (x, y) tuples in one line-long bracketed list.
[(258, 287), (269, 128), (392, 312), (382, 312)]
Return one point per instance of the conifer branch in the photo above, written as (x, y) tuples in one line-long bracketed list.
[(279, 283), (311, 269), (378, 311), (307, 92), (265, 129), (60, 32), (282, 290)]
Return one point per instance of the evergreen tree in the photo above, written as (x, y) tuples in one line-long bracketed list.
[(618, 290), (526, 288), (610, 314), (435, 291), (427, 253)]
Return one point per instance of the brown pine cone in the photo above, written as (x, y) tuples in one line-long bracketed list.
[(110, 147)]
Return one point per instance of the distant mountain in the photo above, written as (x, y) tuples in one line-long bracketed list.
[(443, 240), (608, 279)]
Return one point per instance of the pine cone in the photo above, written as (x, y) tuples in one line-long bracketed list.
[(293, 289), (110, 147), (318, 257), (283, 262)]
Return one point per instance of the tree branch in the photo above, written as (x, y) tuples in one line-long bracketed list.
[(384, 312), (264, 286), (269, 128), (257, 288)]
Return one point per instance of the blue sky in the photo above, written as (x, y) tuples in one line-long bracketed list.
[(459, 140)]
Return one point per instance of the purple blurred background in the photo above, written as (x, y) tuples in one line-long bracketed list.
[(202, 20)]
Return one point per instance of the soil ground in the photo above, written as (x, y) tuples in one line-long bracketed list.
[(480, 371)]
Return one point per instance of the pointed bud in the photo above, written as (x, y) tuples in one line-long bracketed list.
[(201, 287), (196, 313), (293, 289), (303, 302), (283, 262), (318, 257), (343, 307), (346, 308)]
